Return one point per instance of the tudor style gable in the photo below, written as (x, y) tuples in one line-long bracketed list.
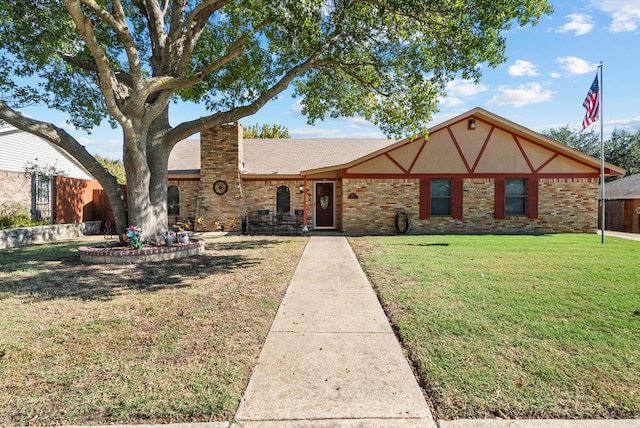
[(479, 144)]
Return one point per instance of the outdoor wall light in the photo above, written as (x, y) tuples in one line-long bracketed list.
[(301, 188), (472, 124)]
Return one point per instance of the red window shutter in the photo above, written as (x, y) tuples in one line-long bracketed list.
[(499, 203), (532, 196), (425, 198), (458, 197)]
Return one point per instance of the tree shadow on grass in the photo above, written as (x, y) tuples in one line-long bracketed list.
[(436, 244), (56, 272), (245, 245)]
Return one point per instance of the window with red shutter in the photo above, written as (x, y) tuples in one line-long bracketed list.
[(425, 199), (499, 201)]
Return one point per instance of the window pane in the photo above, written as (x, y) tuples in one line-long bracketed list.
[(440, 196), (516, 186), (516, 196), (440, 206), (173, 200), (283, 201), (441, 187), (515, 205)]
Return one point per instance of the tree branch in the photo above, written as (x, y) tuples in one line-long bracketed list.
[(172, 83), (187, 129), (122, 76), (106, 76), (347, 68), (117, 21), (195, 23), (158, 35)]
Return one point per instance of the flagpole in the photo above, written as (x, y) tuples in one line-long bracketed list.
[(602, 208)]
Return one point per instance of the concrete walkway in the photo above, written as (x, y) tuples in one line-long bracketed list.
[(624, 235), (331, 358)]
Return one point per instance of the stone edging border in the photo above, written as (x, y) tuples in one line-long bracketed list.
[(94, 255)]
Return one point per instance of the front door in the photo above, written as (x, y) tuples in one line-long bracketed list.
[(324, 208)]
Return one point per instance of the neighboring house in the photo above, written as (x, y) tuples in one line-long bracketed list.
[(60, 189), (475, 173), (622, 209)]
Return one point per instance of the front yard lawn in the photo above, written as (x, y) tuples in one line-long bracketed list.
[(515, 326), (162, 342)]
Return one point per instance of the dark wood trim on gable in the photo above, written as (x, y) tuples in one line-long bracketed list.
[(460, 153)]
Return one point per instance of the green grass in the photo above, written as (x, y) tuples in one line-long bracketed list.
[(155, 343), (515, 326)]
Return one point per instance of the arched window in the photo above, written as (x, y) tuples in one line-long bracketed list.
[(173, 200), (283, 200)]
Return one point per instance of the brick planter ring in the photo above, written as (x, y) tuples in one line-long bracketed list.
[(122, 255)]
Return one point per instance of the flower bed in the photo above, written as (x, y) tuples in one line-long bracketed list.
[(102, 254)]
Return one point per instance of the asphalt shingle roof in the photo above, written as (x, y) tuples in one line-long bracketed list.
[(623, 188), (287, 156)]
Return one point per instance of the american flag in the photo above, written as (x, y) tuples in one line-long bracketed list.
[(592, 104)]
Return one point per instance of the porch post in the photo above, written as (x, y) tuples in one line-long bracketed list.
[(304, 196)]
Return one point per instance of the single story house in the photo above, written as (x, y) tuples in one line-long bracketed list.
[(475, 173), (622, 209), (43, 177)]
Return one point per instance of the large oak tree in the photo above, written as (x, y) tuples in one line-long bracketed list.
[(126, 60)]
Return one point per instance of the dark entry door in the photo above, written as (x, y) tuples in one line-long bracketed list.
[(324, 205)]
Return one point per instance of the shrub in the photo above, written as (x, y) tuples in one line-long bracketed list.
[(10, 222), (15, 214), (12, 209)]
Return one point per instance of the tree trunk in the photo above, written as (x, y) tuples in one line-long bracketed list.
[(158, 160), (146, 161)]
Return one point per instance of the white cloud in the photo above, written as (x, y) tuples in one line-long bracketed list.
[(450, 101), (356, 122), (458, 89), (297, 106), (625, 14), (633, 123), (555, 75), (529, 93), (315, 132), (464, 88), (576, 65), (440, 118), (626, 19), (66, 126), (580, 24), (523, 68)]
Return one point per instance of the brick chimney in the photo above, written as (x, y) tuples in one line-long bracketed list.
[(220, 198)]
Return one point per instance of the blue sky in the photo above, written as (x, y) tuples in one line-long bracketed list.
[(542, 85)]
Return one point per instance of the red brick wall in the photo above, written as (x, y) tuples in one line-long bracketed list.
[(188, 198), (15, 187), (261, 195), (564, 205)]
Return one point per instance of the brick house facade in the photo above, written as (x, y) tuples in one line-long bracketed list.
[(476, 173), (65, 196)]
